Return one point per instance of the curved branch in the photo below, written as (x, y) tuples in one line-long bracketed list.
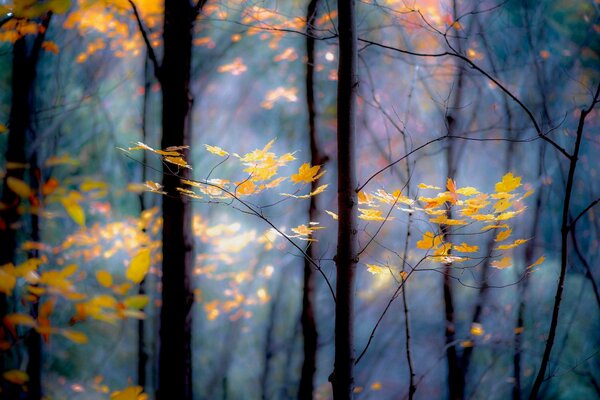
[(151, 53)]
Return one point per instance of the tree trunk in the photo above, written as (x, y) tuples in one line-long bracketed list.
[(24, 70), (175, 354), (309, 327), (343, 374)]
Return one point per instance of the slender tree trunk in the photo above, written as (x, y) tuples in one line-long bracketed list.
[(175, 354), (309, 326), (456, 378), (564, 232), (343, 374)]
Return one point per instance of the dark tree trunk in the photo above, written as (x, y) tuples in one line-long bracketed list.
[(343, 374), (309, 327), (24, 70), (175, 355)]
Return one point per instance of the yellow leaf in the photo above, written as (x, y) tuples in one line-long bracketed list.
[(466, 343), (503, 235), (64, 159), (502, 205), (216, 150), (20, 319), (137, 301), (139, 267), (429, 241), (74, 210), (304, 230), (476, 329), (502, 264), (74, 336), (129, 393), (374, 269), (376, 386), (177, 161), (488, 227), (246, 188), (371, 215), (104, 278), (332, 214), (8, 280), (425, 186), (18, 186), (307, 174), (16, 376), (3, 129), (317, 191), (537, 262), (467, 191), (508, 183), (50, 46), (465, 248), (512, 245), (443, 220)]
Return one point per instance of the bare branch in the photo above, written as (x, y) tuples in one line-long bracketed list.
[(151, 53), (526, 109)]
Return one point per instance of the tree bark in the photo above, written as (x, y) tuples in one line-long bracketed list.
[(309, 326), (175, 354), (24, 71), (343, 374)]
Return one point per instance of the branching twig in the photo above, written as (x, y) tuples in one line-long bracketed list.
[(151, 53)]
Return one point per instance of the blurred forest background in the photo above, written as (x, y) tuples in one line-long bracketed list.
[(209, 272)]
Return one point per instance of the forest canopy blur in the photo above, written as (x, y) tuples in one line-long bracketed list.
[(216, 199)]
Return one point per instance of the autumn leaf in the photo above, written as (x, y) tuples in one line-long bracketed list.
[(177, 161), (317, 191), (374, 269), (16, 376), (443, 220), (104, 278), (50, 46), (537, 262), (19, 187), (137, 302), (512, 245), (508, 183), (3, 128), (139, 267), (8, 280), (503, 235), (429, 241), (425, 186), (451, 186), (332, 215), (20, 319), (216, 150), (476, 329), (465, 248), (467, 191), (502, 264), (369, 214), (307, 174), (74, 336), (129, 393), (74, 210)]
